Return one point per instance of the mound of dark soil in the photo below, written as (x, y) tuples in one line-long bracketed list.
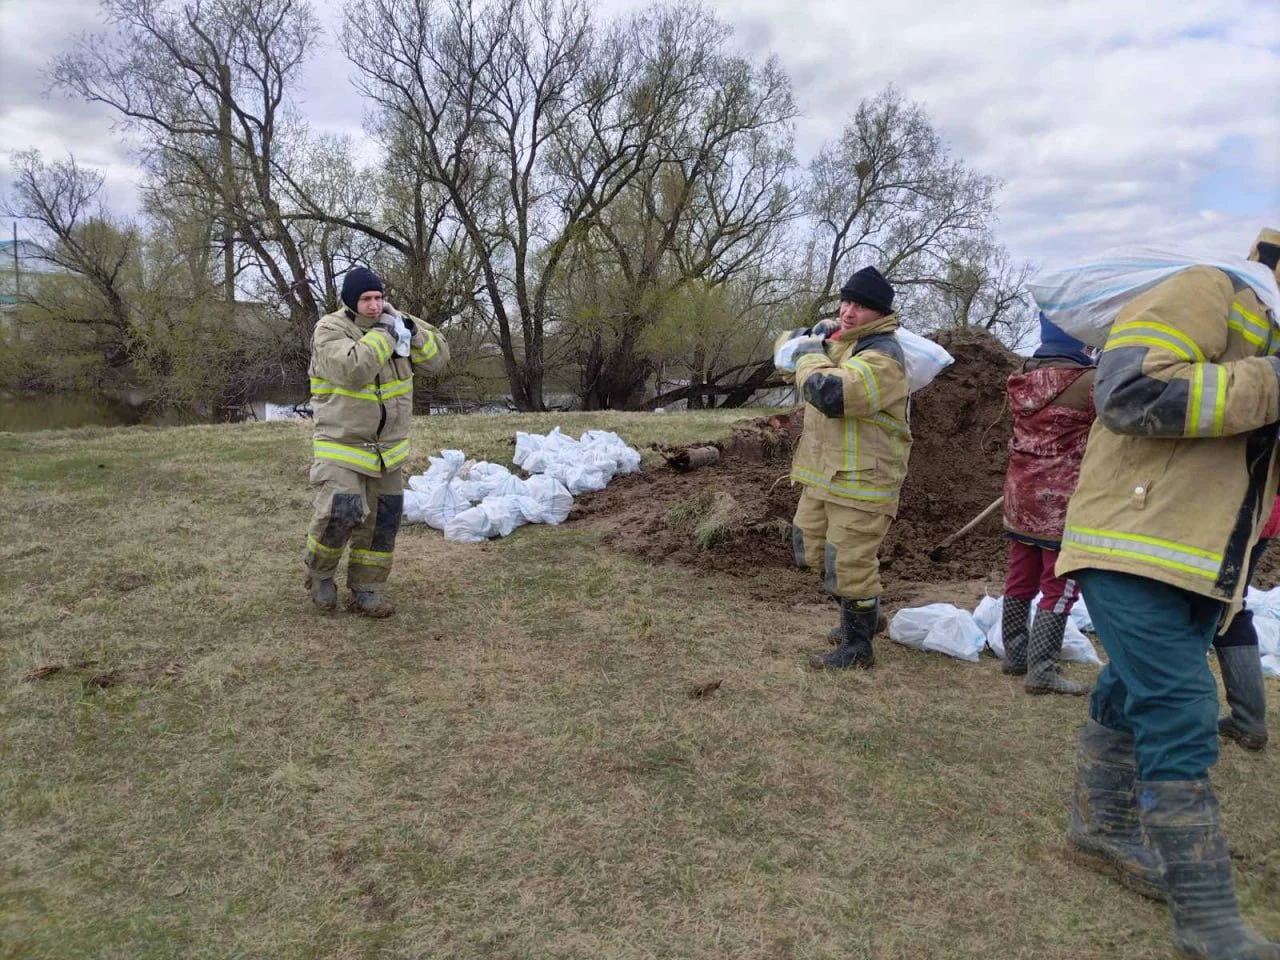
[(960, 428)]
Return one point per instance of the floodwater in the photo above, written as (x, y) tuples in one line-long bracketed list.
[(22, 412)]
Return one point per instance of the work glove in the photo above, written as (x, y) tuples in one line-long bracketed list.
[(825, 328), (809, 344), (395, 324)]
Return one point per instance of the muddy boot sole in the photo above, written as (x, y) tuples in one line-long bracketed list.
[(1112, 866), (1249, 741)]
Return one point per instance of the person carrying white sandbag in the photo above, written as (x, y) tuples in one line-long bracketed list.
[(1051, 399), (852, 456), (1176, 483)]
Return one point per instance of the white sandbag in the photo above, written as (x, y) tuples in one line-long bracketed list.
[(784, 358), (1076, 647), (577, 478), (989, 616), (511, 486), (1268, 632), (911, 625), (1080, 616), (1083, 299), (526, 444), (1271, 666), (415, 502), (924, 359), (552, 497), (446, 466), (504, 513), (606, 443), (442, 503), (470, 526), (957, 635), (1263, 603)]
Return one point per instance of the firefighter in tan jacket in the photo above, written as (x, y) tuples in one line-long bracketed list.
[(852, 456), (362, 362), (1177, 480)]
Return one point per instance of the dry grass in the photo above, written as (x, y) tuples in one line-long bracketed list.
[(513, 767)]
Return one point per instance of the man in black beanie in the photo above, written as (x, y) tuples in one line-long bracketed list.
[(852, 456), (362, 361)]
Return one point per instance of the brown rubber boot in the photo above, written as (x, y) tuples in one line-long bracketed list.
[(323, 592), (366, 603), (1104, 833)]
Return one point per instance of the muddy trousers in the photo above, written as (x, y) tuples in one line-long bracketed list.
[(355, 511), (1157, 686), (841, 541)]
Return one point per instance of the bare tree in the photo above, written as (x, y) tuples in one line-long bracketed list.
[(708, 209), (62, 202), (531, 122), (889, 194), (206, 84)]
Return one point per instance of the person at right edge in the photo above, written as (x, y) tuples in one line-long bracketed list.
[(1177, 479)]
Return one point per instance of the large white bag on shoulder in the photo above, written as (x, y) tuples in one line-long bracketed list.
[(1084, 298)]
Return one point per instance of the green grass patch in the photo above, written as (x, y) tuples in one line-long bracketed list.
[(513, 766)]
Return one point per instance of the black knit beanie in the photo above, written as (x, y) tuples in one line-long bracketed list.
[(357, 281), (868, 288)]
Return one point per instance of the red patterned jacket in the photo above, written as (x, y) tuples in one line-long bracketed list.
[(1052, 405)]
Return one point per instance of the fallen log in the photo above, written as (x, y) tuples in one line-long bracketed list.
[(691, 458)]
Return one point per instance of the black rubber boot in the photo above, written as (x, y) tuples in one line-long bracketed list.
[(1246, 696), (324, 594), (858, 620), (835, 636), (1043, 648), (1013, 633), (1104, 833), (1181, 822)]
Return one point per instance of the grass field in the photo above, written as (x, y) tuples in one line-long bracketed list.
[(513, 766)]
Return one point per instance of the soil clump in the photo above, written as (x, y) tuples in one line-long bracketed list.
[(733, 517)]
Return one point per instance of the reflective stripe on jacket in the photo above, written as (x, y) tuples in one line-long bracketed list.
[(1179, 473), (362, 393), (856, 439)]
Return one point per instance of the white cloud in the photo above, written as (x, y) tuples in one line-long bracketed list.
[(1109, 121)]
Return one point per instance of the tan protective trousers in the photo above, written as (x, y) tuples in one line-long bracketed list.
[(842, 542), (354, 510)]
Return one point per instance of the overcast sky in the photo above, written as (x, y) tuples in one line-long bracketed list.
[(1109, 121)]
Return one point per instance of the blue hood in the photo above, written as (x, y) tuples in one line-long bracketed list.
[(1054, 342)]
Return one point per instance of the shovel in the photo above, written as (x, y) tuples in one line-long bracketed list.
[(936, 553)]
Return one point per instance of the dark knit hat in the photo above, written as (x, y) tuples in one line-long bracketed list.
[(868, 288), (357, 281)]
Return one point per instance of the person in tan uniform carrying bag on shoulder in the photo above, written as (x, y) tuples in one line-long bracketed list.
[(1178, 478), (363, 357), (852, 456)]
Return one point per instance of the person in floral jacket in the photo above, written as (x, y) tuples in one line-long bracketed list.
[(1051, 399)]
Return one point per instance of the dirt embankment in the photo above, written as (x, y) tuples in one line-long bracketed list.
[(733, 517)]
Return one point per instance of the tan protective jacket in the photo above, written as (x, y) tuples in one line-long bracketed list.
[(1179, 472), (362, 393), (856, 440)]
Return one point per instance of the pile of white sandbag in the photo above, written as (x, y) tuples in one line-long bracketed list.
[(945, 628), (475, 501)]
